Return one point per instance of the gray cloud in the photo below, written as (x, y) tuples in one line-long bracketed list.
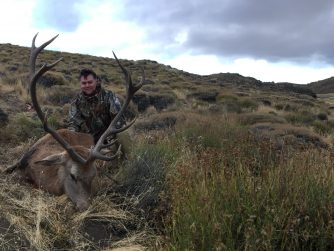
[(294, 30), (62, 15)]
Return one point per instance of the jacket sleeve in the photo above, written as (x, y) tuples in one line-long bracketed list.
[(75, 120)]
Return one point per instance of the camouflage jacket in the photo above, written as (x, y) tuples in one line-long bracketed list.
[(93, 114)]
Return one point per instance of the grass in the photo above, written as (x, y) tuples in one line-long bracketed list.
[(220, 203), (208, 183), (213, 179), (46, 222)]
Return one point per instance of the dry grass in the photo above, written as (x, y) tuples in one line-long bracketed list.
[(47, 222), (219, 178), (239, 192)]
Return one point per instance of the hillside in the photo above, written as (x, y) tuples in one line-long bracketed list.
[(217, 162), (324, 86)]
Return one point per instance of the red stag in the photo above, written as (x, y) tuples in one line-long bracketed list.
[(62, 162)]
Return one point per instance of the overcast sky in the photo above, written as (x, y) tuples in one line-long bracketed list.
[(271, 40)]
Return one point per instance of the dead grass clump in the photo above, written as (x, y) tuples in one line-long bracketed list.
[(289, 136), (300, 118), (323, 127), (254, 118)]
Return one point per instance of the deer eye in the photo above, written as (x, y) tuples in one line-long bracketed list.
[(73, 177)]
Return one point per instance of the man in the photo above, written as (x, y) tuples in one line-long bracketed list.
[(94, 107)]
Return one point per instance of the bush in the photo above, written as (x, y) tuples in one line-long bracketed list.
[(322, 127), (143, 175), (27, 127), (249, 105), (300, 118), (279, 107), (253, 118)]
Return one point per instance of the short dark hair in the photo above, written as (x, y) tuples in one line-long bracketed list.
[(85, 72)]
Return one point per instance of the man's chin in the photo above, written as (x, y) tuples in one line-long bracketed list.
[(87, 92)]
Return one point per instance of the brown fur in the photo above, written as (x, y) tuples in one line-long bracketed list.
[(59, 175)]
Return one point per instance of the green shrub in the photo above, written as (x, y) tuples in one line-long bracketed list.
[(290, 108), (144, 173), (279, 107), (253, 118), (300, 118), (249, 105), (231, 106), (26, 127), (199, 135), (322, 127)]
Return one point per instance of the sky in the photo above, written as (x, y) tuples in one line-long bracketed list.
[(270, 40)]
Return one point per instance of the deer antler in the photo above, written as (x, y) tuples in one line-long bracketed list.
[(131, 89), (34, 76)]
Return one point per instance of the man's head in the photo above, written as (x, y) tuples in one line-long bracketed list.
[(88, 81)]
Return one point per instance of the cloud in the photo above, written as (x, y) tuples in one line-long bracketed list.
[(62, 15), (258, 38), (298, 30)]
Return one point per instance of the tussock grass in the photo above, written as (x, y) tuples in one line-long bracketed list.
[(227, 175), (259, 117), (247, 196)]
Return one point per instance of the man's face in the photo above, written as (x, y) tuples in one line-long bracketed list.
[(88, 85)]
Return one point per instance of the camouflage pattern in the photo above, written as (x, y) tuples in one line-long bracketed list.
[(93, 114)]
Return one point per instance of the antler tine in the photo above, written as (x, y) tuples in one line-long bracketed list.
[(98, 155), (130, 91), (33, 81), (35, 51), (128, 76)]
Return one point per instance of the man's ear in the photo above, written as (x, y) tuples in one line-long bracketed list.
[(54, 159)]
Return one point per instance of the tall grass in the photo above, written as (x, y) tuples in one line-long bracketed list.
[(242, 195)]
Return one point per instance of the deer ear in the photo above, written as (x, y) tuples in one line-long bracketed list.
[(54, 159)]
